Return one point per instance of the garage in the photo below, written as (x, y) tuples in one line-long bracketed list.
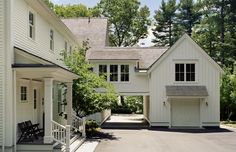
[(185, 105), (185, 113)]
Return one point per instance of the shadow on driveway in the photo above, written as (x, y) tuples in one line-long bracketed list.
[(197, 131)]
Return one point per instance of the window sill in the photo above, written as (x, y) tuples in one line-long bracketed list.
[(185, 82)]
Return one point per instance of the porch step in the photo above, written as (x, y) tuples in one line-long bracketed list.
[(76, 142)]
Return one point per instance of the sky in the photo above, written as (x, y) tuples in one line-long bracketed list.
[(152, 4)]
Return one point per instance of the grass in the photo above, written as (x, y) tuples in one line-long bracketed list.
[(229, 123)]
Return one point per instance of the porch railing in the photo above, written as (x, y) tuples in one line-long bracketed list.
[(61, 134), (79, 124)]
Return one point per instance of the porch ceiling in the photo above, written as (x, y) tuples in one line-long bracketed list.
[(43, 71)]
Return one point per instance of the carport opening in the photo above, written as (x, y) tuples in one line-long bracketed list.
[(128, 105), (128, 112)]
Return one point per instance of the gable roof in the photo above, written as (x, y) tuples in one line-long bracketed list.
[(92, 29), (187, 37), (145, 56)]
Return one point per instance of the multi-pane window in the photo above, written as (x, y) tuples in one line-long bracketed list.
[(35, 99), (124, 73), (51, 40), (66, 46), (70, 51), (179, 72), (23, 93), (190, 72), (31, 25), (103, 70), (113, 72), (185, 72)]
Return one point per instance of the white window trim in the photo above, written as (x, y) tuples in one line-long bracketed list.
[(119, 72), (33, 39), (27, 93), (186, 62), (53, 40)]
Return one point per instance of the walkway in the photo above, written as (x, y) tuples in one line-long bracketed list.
[(125, 121)]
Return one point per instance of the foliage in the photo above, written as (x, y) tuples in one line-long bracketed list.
[(217, 30), (131, 104), (92, 128), (86, 100), (76, 10), (164, 23), (49, 4), (128, 22), (228, 95), (188, 15)]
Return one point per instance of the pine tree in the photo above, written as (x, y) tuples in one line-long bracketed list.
[(164, 24), (188, 15)]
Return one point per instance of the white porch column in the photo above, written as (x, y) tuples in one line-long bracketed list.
[(48, 103), (69, 103)]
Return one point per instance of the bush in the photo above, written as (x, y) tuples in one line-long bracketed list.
[(92, 128), (131, 104)]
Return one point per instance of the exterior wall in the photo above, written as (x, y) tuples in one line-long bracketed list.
[(146, 107), (25, 110), (138, 84), (163, 74), (40, 46), (2, 69)]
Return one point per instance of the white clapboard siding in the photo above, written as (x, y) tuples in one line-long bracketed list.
[(2, 50), (40, 46)]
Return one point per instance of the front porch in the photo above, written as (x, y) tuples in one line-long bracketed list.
[(43, 96)]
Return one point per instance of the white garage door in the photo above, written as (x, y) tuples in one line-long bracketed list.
[(185, 113)]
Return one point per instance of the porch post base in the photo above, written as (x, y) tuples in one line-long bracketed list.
[(47, 139)]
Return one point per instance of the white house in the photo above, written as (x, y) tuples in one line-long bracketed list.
[(180, 84), (31, 75)]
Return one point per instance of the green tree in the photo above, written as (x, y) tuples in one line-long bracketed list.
[(164, 24), (228, 95), (86, 100), (128, 22), (49, 4), (189, 15), (77, 10)]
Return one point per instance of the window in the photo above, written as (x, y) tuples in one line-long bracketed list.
[(51, 40), (103, 71), (179, 72), (70, 49), (124, 73), (23, 94), (185, 72), (190, 72), (31, 26), (35, 99), (113, 72), (66, 46)]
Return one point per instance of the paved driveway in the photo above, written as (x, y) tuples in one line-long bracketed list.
[(164, 140)]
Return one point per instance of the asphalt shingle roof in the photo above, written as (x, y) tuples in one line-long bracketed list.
[(145, 56), (92, 29), (186, 91)]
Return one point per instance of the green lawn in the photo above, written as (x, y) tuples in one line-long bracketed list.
[(229, 123)]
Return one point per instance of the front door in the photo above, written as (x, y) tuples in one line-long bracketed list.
[(35, 105)]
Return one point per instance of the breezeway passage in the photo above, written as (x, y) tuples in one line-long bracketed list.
[(168, 141)]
